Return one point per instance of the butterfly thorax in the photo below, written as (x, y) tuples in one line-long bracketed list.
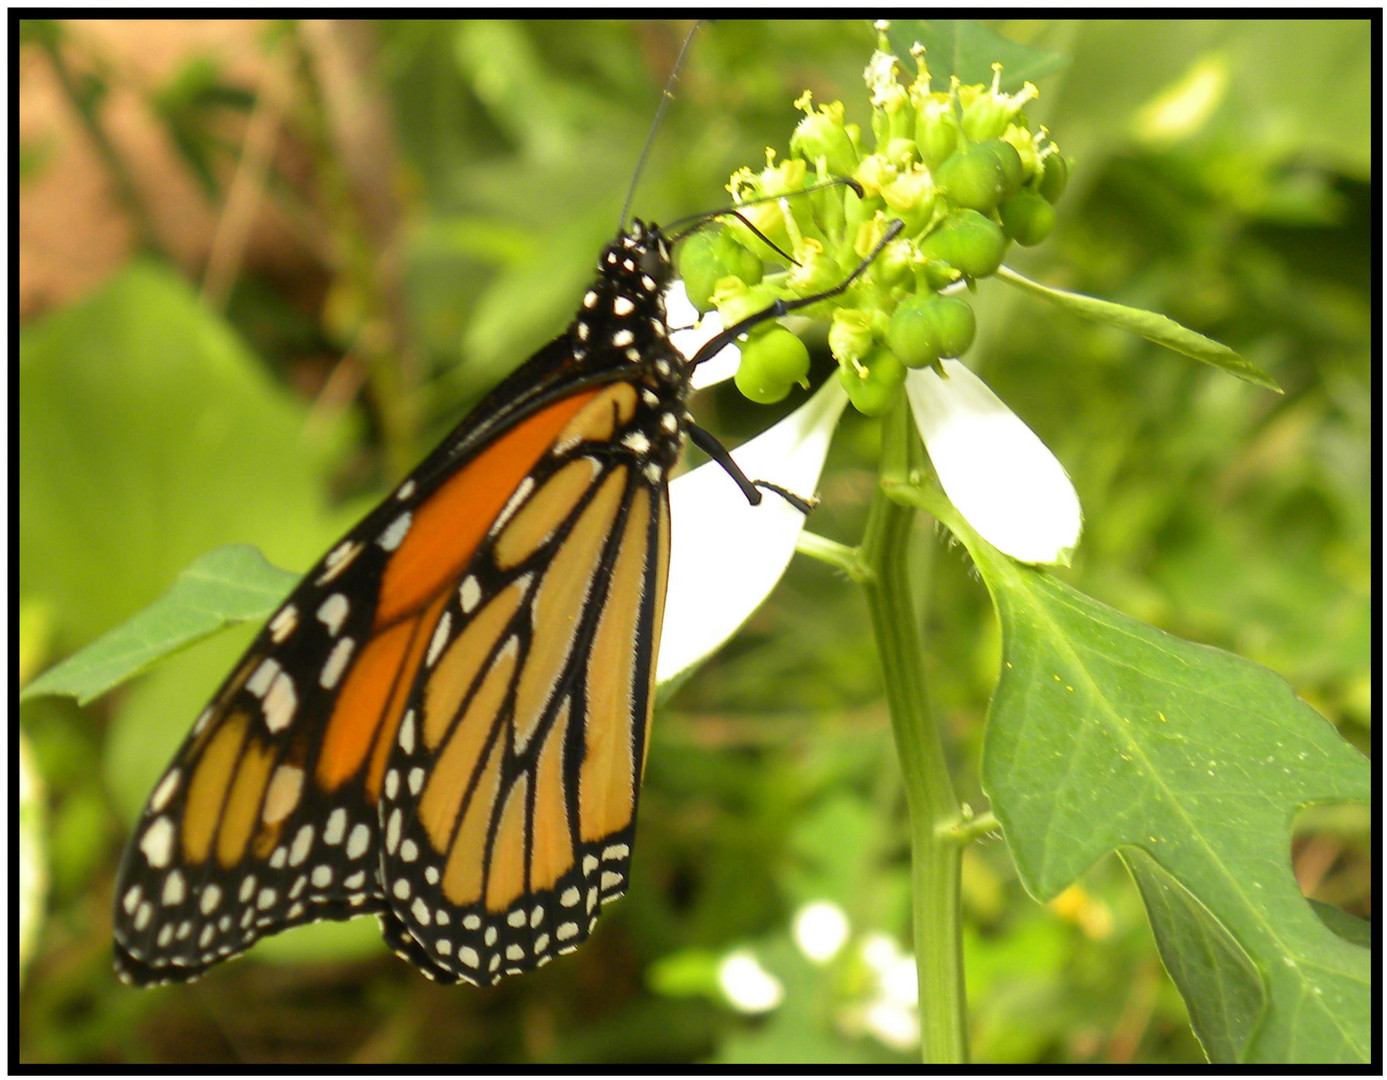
[(622, 327)]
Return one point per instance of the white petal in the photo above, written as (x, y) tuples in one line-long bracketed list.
[(697, 332), (820, 929), (725, 554), (748, 987), (993, 468)]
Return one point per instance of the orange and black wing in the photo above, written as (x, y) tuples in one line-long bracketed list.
[(294, 795)]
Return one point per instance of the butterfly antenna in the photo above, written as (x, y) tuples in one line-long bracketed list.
[(665, 98)]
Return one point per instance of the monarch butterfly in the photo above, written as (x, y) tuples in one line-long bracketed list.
[(445, 723)]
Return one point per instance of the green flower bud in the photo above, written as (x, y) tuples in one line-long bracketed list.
[(857, 211), (1027, 217), (988, 111), (911, 197), (771, 363), (967, 240), (1009, 158), (1028, 157), (980, 176), (937, 274), (822, 135), (736, 300), (817, 271), (874, 172), (740, 262), (873, 386), (894, 264), (984, 115), (850, 335), (924, 328), (705, 258), (902, 152), (701, 267), (1055, 177), (936, 129)]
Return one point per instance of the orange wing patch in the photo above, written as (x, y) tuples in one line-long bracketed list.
[(443, 534)]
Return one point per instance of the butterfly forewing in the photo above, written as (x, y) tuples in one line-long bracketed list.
[(446, 721)]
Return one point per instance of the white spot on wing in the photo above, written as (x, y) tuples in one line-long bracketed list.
[(336, 827), (303, 843), (167, 786), (280, 703), (173, 889), (336, 663), (157, 843), (513, 504), (395, 531), (332, 613), (440, 638), (263, 677), (359, 840), (339, 558), (282, 625)]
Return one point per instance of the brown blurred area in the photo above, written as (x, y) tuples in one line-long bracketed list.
[(75, 226), (73, 229)]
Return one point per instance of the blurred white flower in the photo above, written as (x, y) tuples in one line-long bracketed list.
[(820, 930), (747, 986), (889, 1010)]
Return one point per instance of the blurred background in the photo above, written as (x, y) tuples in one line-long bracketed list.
[(264, 266)]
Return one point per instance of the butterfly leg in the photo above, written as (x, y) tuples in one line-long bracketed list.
[(707, 442)]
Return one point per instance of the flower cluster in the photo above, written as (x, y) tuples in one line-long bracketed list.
[(966, 177), (959, 168)]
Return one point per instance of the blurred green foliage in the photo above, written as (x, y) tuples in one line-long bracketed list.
[(1222, 176)]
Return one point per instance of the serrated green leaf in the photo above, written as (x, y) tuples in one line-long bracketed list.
[(1106, 733), (227, 586), (968, 49), (1158, 328)]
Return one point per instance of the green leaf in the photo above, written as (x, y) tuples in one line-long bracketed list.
[(1107, 734), (1147, 324), (1219, 982), (227, 586), (968, 49), (149, 434)]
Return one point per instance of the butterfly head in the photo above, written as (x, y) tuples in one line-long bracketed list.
[(623, 311)]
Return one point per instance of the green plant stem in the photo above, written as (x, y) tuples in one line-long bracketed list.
[(847, 559), (936, 855)]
